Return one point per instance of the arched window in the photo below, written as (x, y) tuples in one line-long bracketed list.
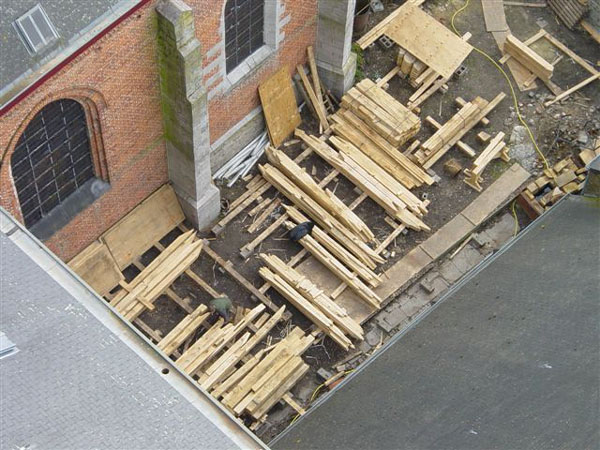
[(52, 159), (244, 30)]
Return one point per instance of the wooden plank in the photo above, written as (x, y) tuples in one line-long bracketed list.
[(573, 89), (279, 106), (216, 372), (338, 269), (324, 198), (528, 57), (309, 310), (188, 325), (419, 175), (313, 98), (336, 249), (264, 215), (428, 40), (378, 30), (312, 64), (359, 248), (239, 278), (97, 267), (315, 296), (493, 14), (591, 30), (147, 223)]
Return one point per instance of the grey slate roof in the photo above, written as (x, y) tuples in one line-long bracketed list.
[(76, 21), (82, 378), (509, 359)]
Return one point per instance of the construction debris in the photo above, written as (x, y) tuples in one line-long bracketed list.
[(452, 131), (243, 162), (565, 177)]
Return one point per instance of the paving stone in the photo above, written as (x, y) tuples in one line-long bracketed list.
[(405, 269), (373, 336), (447, 236), (491, 198), (389, 320), (450, 271), (467, 258)]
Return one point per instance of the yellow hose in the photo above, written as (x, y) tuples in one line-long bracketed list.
[(512, 90)]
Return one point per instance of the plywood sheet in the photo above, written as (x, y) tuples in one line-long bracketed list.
[(279, 106), (428, 40), (150, 221), (97, 267), (493, 14)]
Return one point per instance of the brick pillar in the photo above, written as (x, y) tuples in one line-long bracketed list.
[(185, 113), (335, 62)]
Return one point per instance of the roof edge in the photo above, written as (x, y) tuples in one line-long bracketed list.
[(127, 333), (28, 82)]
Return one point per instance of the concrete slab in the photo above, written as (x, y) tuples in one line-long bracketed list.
[(388, 320), (447, 237), (496, 194), (403, 271), (467, 258)]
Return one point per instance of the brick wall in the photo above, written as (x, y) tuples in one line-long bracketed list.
[(230, 104), (121, 71)]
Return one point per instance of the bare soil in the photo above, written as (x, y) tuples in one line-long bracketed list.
[(556, 130)]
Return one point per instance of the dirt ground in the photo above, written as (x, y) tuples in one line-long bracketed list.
[(557, 130)]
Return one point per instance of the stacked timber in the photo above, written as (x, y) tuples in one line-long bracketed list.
[(224, 366), (528, 57), (320, 215), (565, 177), (183, 330), (266, 377), (452, 131), (495, 149), (407, 210), (151, 282), (331, 318), (323, 197), (382, 112), (343, 255), (322, 255), (570, 12), (352, 128), (213, 341)]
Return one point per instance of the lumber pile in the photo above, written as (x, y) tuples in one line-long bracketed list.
[(323, 197), (352, 128), (570, 12), (343, 255), (384, 114), (495, 149), (332, 319), (320, 215), (265, 378), (151, 282), (528, 57), (450, 133), (337, 268), (407, 209), (213, 341), (565, 177), (224, 365), (183, 330)]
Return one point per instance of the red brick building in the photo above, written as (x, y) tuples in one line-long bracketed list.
[(86, 99)]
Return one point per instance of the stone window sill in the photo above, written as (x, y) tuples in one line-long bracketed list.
[(249, 65)]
